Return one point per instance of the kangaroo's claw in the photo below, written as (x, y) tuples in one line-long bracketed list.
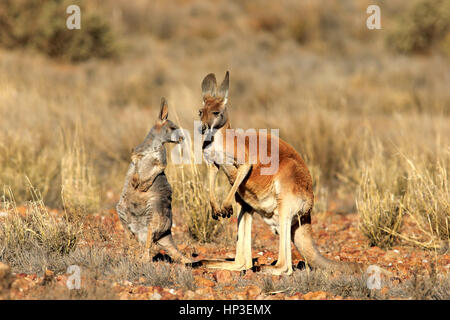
[(226, 211), (216, 213)]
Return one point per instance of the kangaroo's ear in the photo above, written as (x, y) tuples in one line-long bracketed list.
[(209, 85), (223, 90), (164, 112)]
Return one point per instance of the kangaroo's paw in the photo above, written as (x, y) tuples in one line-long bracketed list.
[(226, 210), (274, 270), (223, 264), (216, 212)]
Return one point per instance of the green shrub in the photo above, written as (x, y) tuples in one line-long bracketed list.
[(41, 25), (424, 25)]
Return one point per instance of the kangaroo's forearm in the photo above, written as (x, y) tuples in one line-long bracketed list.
[(144, 186), (212, 175), (242, 172)]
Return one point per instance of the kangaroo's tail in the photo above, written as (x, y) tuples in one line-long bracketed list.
[(302, 238), (168, 245)]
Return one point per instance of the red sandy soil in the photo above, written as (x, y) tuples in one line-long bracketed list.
[(337, 237)]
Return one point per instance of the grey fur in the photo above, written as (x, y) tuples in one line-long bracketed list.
[(146, 199)]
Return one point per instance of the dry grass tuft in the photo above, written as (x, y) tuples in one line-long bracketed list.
[(80, 193), (405, 186), (379, 200), (427, 201), (192, 196), (34, 231)]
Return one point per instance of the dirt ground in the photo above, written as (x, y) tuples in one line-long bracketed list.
[(415, 273)]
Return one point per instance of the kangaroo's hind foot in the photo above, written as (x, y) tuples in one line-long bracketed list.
[(167, 244)]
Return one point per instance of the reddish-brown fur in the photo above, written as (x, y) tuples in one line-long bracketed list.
[(284, 199)]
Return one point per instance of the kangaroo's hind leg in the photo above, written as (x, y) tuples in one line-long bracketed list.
[(284, 262), (161, 234), (243, 259), (148, 244)]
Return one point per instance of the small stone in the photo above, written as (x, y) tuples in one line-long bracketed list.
[(253, 291), (204, 291), (222, 276), (20, 284), (317, 295), (5, 270), (5, 276), (202, 250), (203, 282), (189, 294), (156, 296), (49, 273)]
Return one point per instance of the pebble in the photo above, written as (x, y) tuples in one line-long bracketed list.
[(156, 296)]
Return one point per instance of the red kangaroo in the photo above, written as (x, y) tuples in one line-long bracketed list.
[(284, 198)]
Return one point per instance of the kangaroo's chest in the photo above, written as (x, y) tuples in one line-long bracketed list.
[(262, 198), (215, 154)]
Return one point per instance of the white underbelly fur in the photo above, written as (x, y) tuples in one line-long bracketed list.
[(273, 223)]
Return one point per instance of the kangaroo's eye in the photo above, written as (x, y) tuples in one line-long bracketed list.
[(200, 113), (216, 113)]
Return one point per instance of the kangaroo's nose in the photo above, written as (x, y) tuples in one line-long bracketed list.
[(204, 127)]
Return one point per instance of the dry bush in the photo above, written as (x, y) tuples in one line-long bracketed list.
[(319, 280), (91, 289), (102, 263), (80, 192), (379, 199), (37, 231), (41, 25), (191, 195), (424, 26), (19, 159), (427, 200), (424, 285), (27, 137), (321, 192), (394, 186)]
